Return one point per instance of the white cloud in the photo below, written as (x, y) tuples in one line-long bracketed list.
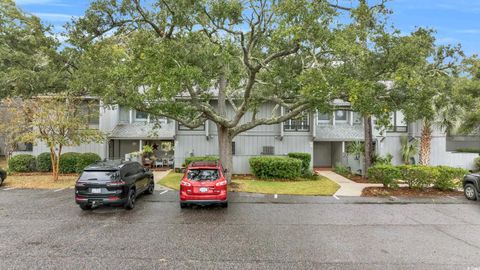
[(469, 31), (55, 17), (41, 2)]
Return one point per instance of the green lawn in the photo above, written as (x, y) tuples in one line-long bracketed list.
[(322, 186)]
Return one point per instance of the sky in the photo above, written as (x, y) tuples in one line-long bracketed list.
[(455, 21)]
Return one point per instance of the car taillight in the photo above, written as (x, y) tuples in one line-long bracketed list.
[(221, 183), (116, 183), (185, 184)]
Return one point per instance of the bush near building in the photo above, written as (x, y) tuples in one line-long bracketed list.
[(305, 158), (417, 177), (86, 159), (69, 161), (44, 162), (22, 163), (276, 167), (189, 160)]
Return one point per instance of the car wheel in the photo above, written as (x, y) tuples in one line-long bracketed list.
[(225, 205), (85, 207), (183, 205), (151, 188), (470, 192), (1, 181), (131, 200)]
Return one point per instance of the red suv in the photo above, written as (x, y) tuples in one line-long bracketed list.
[(203, 183)]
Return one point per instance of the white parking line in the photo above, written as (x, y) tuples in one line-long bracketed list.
[(335, 196), (57, 190), (452, 197), (163, 192), (5, 189), (275, 196)]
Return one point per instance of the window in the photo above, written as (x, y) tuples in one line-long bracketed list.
[(202, 175), (300, 123), (24, 147), (323, 118), (124, 114), (141, 115), (341, 116), (268, 150), (398, 123)]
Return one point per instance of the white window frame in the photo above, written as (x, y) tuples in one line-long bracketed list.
[(341, 121), (322, 121)]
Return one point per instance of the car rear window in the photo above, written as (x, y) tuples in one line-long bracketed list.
[(99, 175), (203, 174)]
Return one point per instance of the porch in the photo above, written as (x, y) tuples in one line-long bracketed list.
[(161, 157)]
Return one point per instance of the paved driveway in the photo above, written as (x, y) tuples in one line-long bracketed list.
[(46, 230)]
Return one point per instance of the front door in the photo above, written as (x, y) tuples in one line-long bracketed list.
[(322, 154)]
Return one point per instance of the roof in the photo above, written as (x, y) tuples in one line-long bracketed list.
[(339, 133), (143, 131)]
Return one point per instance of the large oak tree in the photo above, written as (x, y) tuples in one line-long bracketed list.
[(231, 55)]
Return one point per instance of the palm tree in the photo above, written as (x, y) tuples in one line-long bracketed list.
[(408, 150)]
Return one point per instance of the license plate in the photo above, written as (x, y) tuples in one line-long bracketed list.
[(96, 190), (203, 189)]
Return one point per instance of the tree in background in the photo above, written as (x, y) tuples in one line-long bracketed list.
[(225, 59), (30, 62), (468, 92), (375, 54), (429, 95), (56, 121)]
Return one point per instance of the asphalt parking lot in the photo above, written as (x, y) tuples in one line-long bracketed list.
[(44, 229)]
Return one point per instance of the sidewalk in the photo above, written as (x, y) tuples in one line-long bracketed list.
[(347, 186), (157, 176)]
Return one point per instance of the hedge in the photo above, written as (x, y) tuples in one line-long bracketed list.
[(417, 177), (385, 174), (305, 158), (189, 160), (44, 162), (86, 159), (420, 177), (22, 163), (68, 162), (477, 162), (276, 167), (449, 178)]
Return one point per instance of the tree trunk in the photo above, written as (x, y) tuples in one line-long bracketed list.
[(224, 135), (55, 158), (225, 151), (425, 142), (367, 125)]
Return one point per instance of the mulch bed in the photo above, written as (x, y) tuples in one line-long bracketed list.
[(407, 192), (358, 179)]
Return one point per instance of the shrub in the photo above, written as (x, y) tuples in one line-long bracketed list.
[(22, 163), (385, 174), (420, 177), (477, 163), (449, 178), (305, 158), (44, 162), (189, 160), (86, 159), (468, 150), (275, 167), (379, 160), (68, 162), (342, 169)]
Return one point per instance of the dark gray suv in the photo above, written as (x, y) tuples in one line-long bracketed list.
[(3, 176), (115, 183), (471, 186)]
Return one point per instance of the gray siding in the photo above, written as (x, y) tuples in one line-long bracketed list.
[(246, 146), (98, 148)]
